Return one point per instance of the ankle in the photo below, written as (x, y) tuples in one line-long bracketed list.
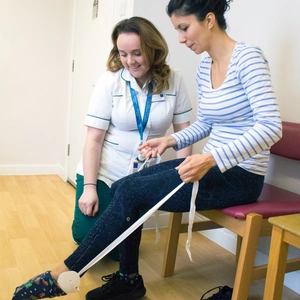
[(58, 270), (54, 275), (129, 278)]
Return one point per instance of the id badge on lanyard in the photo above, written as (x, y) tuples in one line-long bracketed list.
[(141, 123), (138, 164)]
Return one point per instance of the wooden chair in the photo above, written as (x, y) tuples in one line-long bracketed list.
[(286, 231), (248, 221)]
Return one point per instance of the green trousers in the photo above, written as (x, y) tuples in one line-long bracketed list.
[(82, 224)]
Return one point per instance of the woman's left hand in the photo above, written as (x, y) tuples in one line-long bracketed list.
[(194, 167)]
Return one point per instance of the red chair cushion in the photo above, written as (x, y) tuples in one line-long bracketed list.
[(289, 145), (273, 201)]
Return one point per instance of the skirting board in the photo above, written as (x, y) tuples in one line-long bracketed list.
[(32, 170)]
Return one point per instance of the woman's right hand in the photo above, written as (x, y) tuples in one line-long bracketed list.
[(89, 202), (157, 145)]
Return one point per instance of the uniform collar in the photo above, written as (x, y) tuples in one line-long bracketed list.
[(126, 76)]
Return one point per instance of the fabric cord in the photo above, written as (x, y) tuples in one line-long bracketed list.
[(191, 219)]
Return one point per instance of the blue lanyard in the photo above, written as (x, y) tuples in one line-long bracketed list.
[(141, 123)]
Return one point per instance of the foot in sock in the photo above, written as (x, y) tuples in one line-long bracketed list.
[(39, 287), (119, 286)]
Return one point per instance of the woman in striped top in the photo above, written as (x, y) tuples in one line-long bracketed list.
[(237, 110)]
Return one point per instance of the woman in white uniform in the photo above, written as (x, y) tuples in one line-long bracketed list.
[(136, 99)]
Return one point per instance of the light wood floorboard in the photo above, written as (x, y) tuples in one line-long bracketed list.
[(35, 219)]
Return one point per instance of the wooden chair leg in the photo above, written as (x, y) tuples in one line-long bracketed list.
[(247, 257), (171, 244), (238, 248), (276, 266)]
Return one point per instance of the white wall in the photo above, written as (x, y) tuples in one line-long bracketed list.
[(274, 26), (35, 59)]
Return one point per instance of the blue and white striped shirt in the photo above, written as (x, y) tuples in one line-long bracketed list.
[(241, 116)]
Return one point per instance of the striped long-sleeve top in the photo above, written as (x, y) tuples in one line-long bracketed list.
[(241, 116)]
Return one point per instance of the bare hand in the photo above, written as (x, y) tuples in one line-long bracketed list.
[(88, 202), (194, 167), (158, 145)]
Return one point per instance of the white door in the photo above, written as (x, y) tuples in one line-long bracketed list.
[(92, 46)]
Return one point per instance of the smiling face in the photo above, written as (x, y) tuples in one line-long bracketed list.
[(193, 33), (129, 47)]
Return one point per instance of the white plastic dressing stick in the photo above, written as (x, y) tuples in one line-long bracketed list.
[(128, 231)]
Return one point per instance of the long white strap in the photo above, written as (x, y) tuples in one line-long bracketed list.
[(70, 280), (128, 231), (191, 219), (157, 161)]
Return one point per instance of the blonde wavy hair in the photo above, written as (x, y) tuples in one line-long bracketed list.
[(154, 49)]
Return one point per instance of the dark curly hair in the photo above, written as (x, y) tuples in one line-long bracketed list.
[(200, 8)]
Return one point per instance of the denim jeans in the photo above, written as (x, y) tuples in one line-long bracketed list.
[(142, 190)]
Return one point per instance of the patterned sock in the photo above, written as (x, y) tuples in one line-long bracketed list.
[(39, 287), (131, 280)]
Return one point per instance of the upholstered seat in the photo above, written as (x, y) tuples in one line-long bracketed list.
[(270, 204)]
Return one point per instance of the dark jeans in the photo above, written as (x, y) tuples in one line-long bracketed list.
[(143, 190)]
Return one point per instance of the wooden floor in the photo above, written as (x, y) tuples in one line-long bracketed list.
[(35, 219)]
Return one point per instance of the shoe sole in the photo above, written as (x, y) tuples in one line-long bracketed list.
[(132, 296)]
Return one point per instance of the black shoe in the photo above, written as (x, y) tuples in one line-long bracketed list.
[(224, 293), (116, 289)]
